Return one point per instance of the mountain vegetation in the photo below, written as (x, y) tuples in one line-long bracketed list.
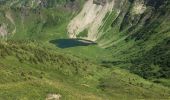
[(84, 49)]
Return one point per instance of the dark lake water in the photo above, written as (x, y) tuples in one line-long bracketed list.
[(67, 43)]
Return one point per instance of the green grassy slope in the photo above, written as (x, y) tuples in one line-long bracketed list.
[(30, 70), (31, 66), (140, 42)]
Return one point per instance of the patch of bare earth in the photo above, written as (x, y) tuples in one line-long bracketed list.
[(53, 97)]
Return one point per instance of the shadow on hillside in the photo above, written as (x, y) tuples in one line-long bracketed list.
[(67, 43)]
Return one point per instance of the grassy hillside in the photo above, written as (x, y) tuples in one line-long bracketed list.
[(129, 60), (29, 70), (139, 42)]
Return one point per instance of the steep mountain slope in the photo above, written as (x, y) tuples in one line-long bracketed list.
[(85, 49), (128, 27), (90, 18), (25, 17), (125, 18)]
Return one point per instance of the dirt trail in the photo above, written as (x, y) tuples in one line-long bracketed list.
[(139, 7), (14, 2), (35, 3), (3, 31), (9, 17), (53, 97), (91, 18)]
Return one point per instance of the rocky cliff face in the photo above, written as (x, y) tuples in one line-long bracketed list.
[(104, 21), (90, 18), (103, 18)]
